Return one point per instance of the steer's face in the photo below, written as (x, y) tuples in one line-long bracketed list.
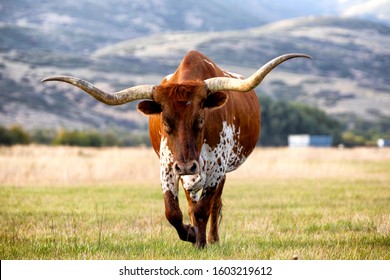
[(182, 108)]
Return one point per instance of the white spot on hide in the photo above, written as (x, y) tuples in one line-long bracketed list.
[(209, 62), (214, 163), (168, 178), (233, 75), (168, 77)]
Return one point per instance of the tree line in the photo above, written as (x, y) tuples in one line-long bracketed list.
[(278, 120), (281, 118), (83, 138)]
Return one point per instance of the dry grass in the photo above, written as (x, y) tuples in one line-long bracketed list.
[(315, 163), (64, 166), (86, 203)]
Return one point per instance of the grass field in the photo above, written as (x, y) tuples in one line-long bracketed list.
[(85, 203)]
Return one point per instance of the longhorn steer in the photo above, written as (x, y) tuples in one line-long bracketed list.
[(204, 122)]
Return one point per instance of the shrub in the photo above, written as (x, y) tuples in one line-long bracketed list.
[(78, 138), (14, 135)]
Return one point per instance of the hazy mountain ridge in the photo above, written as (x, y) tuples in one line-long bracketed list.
[(349, 73), (106, 22)]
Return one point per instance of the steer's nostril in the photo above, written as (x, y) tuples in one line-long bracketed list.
[(194, 168), (177, 168)]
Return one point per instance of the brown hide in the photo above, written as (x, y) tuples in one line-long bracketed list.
[(241, 109)]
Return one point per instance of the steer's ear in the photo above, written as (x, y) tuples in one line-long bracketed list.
[(149, 107), (215, 100)]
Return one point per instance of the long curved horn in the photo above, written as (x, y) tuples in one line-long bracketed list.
[(110, 98), (223, 83)]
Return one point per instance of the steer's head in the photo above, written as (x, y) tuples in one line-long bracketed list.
[(182, 107)]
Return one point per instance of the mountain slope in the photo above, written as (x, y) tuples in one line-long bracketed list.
[(110, 21), (349, 73), (348, 76)]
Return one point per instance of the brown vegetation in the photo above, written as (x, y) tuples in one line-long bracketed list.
[(60, 166)]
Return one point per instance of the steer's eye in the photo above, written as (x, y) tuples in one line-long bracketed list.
[(167, 128), (201, 123)]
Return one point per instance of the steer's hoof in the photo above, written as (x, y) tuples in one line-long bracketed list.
[(200, 244), (192, 233), (195, 229)]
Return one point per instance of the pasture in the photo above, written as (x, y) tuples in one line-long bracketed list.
[(87, 203)]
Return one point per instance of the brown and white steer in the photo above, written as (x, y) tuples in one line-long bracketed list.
[(204, 122)]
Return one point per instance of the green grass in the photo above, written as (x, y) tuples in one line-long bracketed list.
[(270, 219)]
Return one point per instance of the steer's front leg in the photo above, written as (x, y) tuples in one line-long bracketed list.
[(209, 205), (170, 188), (175, 217)]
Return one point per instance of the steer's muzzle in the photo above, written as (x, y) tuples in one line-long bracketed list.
[(186, 168)]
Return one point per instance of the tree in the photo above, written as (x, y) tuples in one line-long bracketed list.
[(280, 119), (14, 135)]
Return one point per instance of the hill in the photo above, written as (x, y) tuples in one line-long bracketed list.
[(84, 25), (348, 77)]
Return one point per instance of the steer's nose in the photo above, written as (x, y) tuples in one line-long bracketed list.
[(186, 168)]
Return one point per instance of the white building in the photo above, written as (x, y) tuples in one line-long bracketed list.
[(306, 140), (383, 143)]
